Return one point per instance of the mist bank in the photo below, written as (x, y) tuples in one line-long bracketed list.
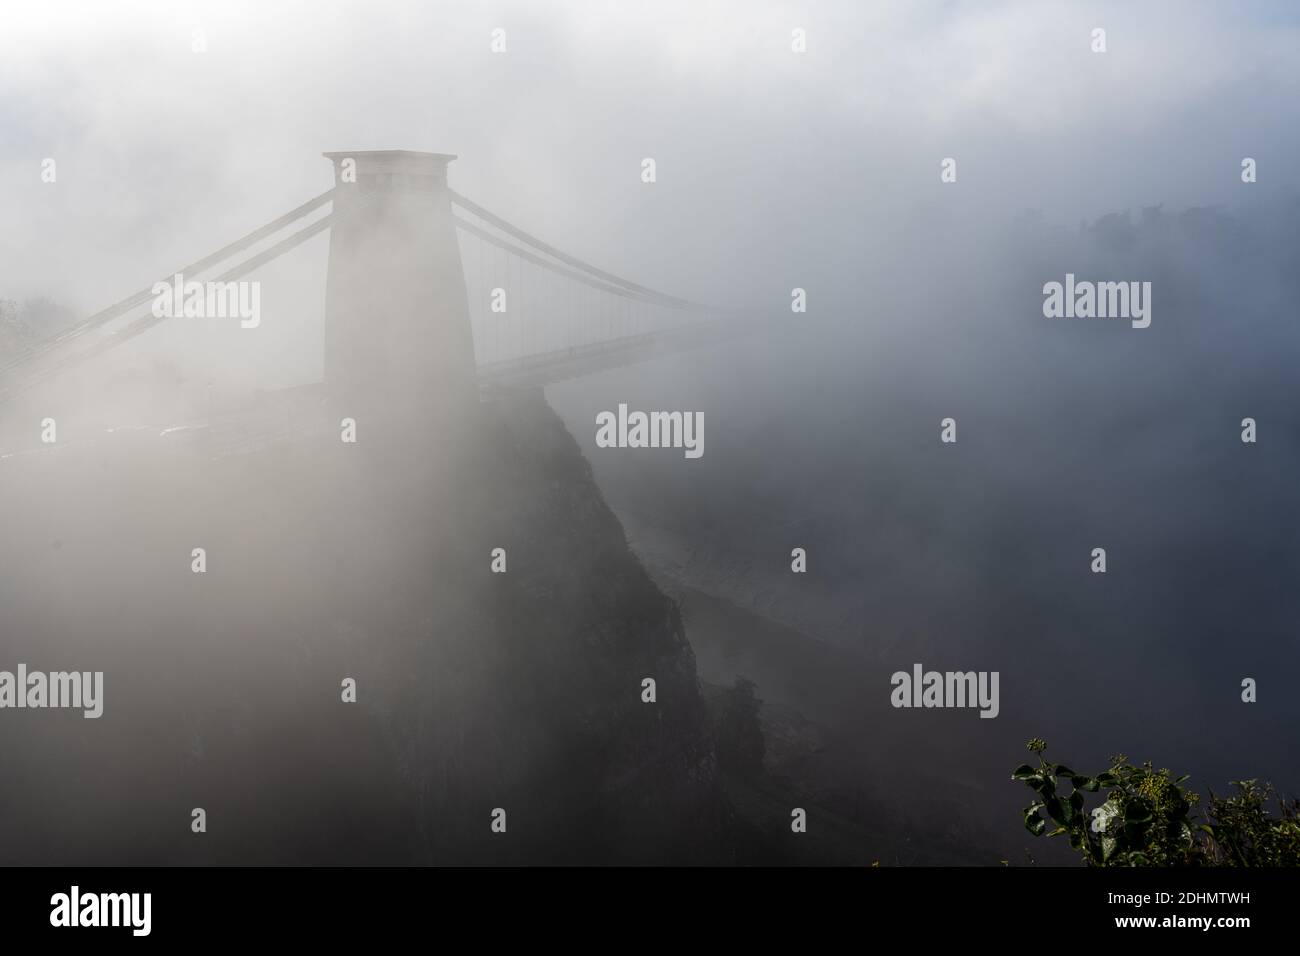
[(977, 555)]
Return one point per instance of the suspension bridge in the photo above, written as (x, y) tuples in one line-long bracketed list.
[(428, 295)]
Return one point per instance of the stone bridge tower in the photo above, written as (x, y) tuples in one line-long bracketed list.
[(397, 328)]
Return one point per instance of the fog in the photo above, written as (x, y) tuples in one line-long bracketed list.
[(775, 171)]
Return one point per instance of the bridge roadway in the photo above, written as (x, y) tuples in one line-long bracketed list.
[(276, 418)]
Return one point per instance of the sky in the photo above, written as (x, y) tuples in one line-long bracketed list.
[(767, 159)]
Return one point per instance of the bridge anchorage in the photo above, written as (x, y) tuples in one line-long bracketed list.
[(431, 300)]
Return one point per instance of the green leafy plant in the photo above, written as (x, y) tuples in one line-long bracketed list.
[(1245, 835), (1148, 817)]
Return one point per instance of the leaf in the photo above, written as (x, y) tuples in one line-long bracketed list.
[(1076, 802), (1107, 779), (1135, 831), (1023, 772), (1063, 771), (1108, 845), (1057, 810), (1035, 824), (1081, 782)]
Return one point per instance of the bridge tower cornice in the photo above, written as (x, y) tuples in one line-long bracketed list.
[(393, 168)]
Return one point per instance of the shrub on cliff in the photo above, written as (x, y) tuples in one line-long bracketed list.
[(1148, 818)]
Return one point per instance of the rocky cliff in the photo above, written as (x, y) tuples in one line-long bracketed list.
[(475, 691)]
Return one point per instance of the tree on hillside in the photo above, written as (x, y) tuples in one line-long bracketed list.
[(740, 743)]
